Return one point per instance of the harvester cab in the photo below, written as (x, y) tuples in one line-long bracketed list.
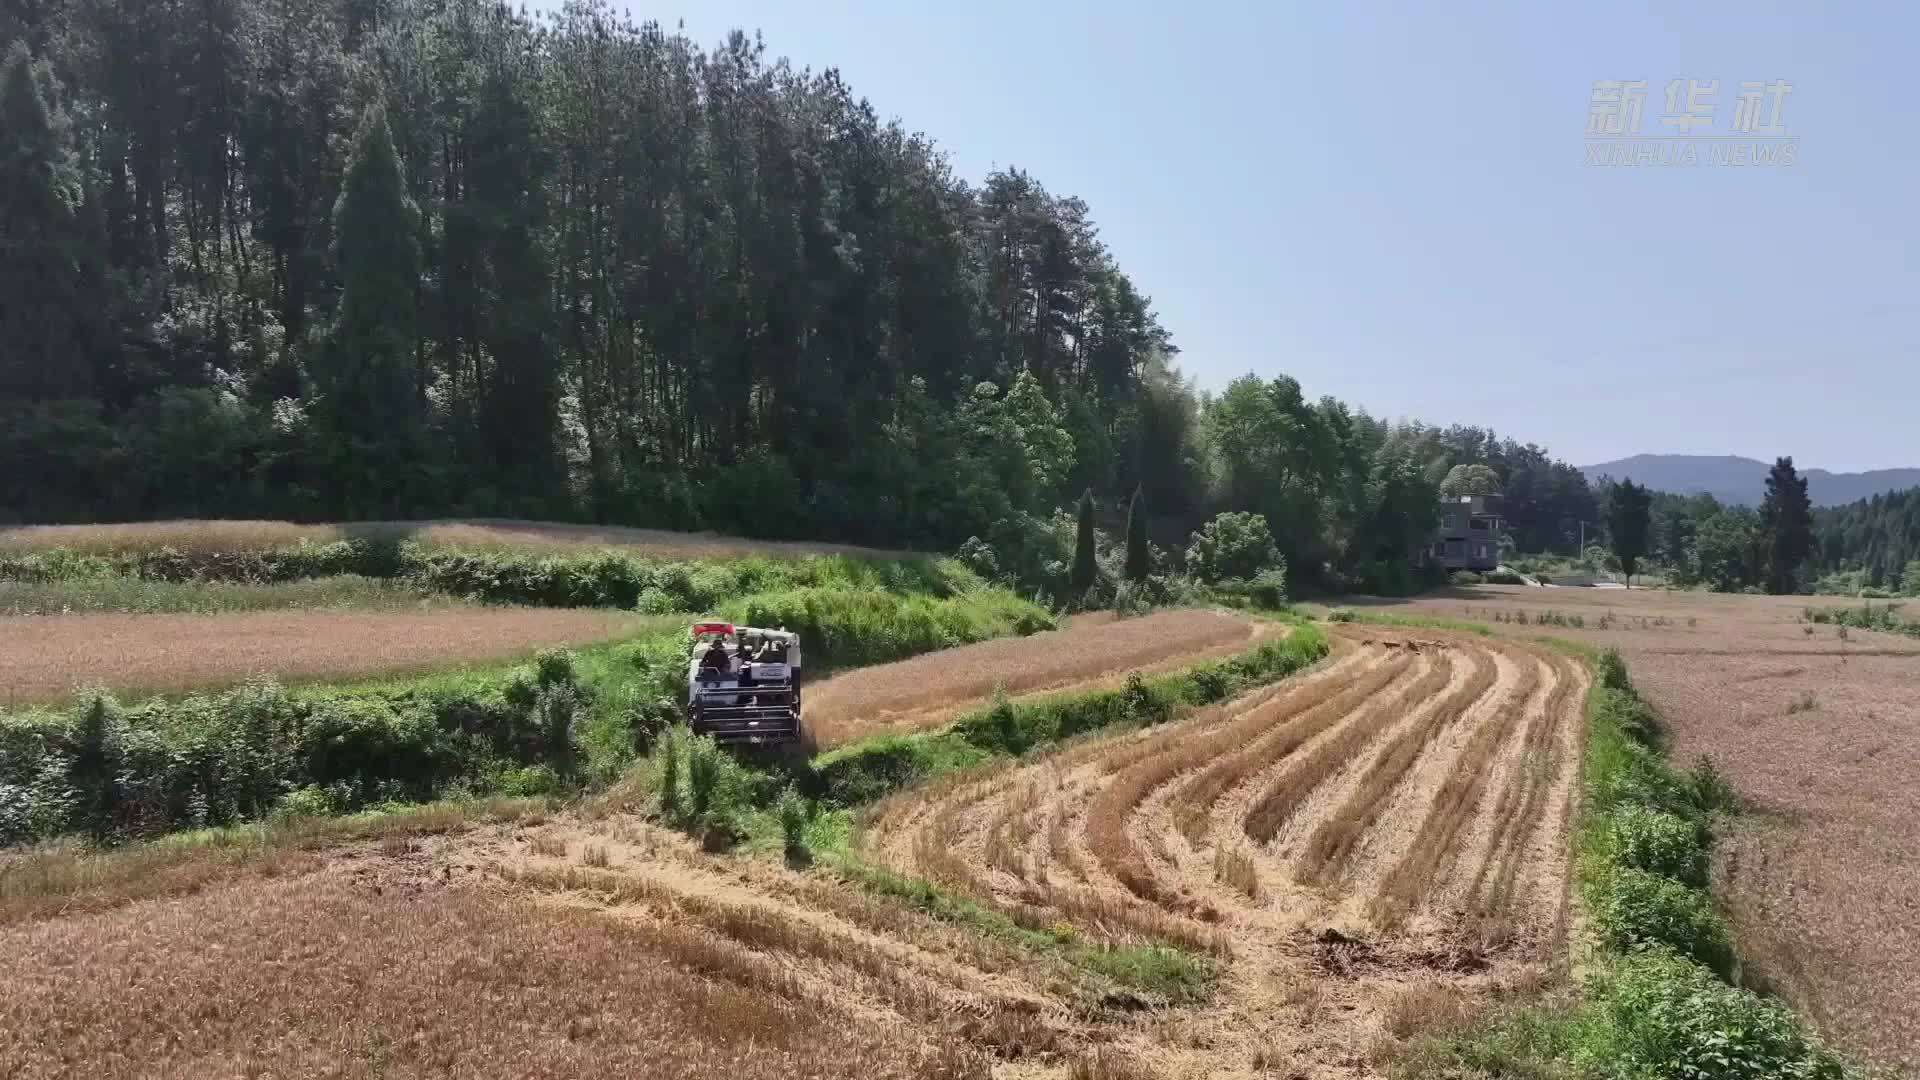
[(743, 684)]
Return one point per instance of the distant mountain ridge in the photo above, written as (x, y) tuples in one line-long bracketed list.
[(1743, 481)]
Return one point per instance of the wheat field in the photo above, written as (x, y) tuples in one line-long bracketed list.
[(1340, 857)]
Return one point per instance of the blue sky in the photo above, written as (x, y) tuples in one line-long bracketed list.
[(1393, 207)]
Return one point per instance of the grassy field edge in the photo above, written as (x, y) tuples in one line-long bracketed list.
[(1659, 995)]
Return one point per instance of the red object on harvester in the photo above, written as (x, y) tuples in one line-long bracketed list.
[(712, 628)]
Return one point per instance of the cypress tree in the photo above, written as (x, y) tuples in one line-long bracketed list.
[(365, 375), (1084, 567), (45, 351), (1139, 564), (1786, 523), (1628, 517)]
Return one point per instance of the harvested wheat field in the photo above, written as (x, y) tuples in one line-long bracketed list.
[(1389, 828), (1820, 734), (42, 658), (1354, 851), (346, 974), (1090, 651), (215, 536)]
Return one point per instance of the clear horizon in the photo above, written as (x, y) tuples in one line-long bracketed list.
[(1397, 211)]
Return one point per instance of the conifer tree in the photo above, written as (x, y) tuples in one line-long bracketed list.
[(1786, 523), (1139, 564), (45, 349), (1628, 517), (370, 400), (1084, 567)]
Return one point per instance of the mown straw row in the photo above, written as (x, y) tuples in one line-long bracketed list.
[(1333, 840), (1448, 814)]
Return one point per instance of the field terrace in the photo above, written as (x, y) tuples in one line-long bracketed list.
[(1820, 733)]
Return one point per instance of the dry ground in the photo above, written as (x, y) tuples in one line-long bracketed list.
[(926, 691), (1361, 847), (351, 975), (44, 658), (474, 533), (1822, 735)]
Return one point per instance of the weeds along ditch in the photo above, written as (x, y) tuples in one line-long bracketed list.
[(564, 721), (1886, 618), (1661, 996)]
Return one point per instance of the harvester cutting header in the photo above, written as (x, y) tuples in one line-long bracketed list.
[(743, 684)]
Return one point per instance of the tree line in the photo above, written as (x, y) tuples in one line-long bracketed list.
[(395, 258), (1695, 540), (1875, 542)]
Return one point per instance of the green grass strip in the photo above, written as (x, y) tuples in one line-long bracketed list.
[(1169, 975)]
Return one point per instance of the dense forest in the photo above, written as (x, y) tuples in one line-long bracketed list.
[(1877, 540), (397, 258)]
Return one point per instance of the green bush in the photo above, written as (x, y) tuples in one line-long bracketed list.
[(1657, 1014), (599, 579), (213, 759), (668, 753), (1267, 589), (1613, 672), (791, 811), (1233, 546), (529, 780), (1644, 838), (311, 801), (1633, 907), (1710, 790), (1629, 712), (703, 775), (844, 628)]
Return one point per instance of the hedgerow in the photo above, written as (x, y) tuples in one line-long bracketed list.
[(851, 627), (564, 720), (602, 579)]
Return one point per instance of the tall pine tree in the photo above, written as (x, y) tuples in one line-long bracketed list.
[(371, 402), (46, 348), (1786, 525)]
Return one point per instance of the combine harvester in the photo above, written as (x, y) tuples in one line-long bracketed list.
[(743, 684)]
